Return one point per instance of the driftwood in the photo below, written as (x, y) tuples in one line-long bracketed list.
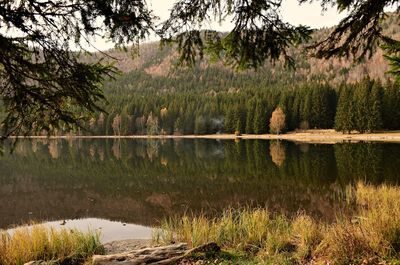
[(43, 262), (154, 256)]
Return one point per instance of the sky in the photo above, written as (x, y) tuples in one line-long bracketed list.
[(309, 14)]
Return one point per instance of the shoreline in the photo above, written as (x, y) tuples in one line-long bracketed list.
[(309, 136)]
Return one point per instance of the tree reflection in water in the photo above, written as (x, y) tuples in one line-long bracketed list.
[(143, 181)]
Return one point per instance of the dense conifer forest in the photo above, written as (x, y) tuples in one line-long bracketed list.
[(228, 105)]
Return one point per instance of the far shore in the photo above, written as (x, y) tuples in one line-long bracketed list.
[(307, 136)]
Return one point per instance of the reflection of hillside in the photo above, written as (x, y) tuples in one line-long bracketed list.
[(148, 180), (57, 202)]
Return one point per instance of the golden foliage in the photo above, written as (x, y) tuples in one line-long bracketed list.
[(277, 152), (277, 122)]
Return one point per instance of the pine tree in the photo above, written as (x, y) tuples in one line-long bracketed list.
[(322, 107), (362, 105), (178, 126), (305, 111), (229, 122), (391, 107), (260, 118), (375, 117), (286, 105), (250, 117), (240, 119), (200, 125), (344, 113), (295, 117)]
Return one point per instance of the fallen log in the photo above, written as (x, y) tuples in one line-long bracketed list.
[(154, 255)]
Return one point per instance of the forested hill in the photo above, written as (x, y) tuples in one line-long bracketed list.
[(156, 62), (153, 96)]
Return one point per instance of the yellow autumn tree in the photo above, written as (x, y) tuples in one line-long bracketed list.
[(277, 122)]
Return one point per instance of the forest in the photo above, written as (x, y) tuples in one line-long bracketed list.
[(365, 106), (153, 96)]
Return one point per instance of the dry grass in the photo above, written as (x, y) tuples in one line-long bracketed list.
[(371, 236), (234, 229), (41, 243)]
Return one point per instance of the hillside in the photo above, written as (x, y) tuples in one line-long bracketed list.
[(153, 96), (156, 62)]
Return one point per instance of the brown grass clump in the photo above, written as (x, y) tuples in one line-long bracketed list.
[(48, 244), (306, 236), (234, 229), (372, 234), (344, 243)]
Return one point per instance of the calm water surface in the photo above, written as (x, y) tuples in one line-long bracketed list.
[(123, 187)]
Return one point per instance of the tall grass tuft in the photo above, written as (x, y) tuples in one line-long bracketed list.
[(370, 235), (233, 229), (307, 234), (40, 243)]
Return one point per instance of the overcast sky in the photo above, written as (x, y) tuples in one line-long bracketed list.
[(306, 14)]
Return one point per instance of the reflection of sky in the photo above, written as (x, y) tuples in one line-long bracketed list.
[(109, 230)]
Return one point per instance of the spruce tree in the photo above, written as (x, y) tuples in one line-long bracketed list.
[(323, 106), (250, 117), (260, 118), (286, 105), (240, 119), (375, 117), (344, 121), (229, 123), (391, 107), (295, 117), (305, 111), (362, 105)]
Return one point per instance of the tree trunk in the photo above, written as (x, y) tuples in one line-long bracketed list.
[(154, 256)]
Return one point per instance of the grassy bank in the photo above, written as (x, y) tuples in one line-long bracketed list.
[(248, 236), (370, 236), (37, 242)]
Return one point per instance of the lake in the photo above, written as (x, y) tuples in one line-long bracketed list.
[(124, 187)]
